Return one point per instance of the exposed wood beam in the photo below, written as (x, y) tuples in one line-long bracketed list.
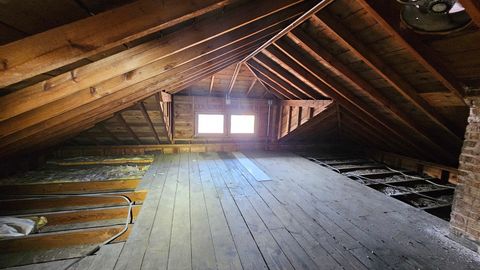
[(273, 84), (273, 67), (212, 80), (473, 9), (81, 39), (306, 103), (312, 123), (348, 40), (321, 54), (266, 89), (238, 66), (96, 111), (63, 239), (152, 58), (308, 71), (279, 82), (317, 7), (86, 96), (141, 105), (163, 115), (122, 121), (250, 87), (109, 133), (424, 55)]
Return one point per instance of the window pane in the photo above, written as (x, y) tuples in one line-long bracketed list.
[(210, 123), (242, 124)]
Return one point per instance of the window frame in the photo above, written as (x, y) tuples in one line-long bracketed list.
[(197, 125), (255, 124)]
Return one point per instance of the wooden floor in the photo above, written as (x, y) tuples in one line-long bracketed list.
[(206, 211)]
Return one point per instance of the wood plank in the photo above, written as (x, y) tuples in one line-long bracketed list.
[(66, 44), (122, 121), (226, 253), (63, 239), (473, 9), (347, 39), (34, 205), (149, 121), (153, 58), (251, 167), (71, 187)]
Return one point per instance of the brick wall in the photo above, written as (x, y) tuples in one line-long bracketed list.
[(465, 218)]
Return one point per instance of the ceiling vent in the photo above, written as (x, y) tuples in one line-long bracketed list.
[(434, 16)]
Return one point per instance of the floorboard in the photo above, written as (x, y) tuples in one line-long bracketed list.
[(208, 211)]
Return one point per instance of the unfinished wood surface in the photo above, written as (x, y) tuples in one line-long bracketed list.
[(208, 208), (251, 167), (71, 187), (67, 44)]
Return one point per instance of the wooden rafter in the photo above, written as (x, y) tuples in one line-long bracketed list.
[(306, 70), (473, 9), (287, 77), (278, 82), (86, 96), (141, 105), (423, 54), (122, 121), (318, 52), (265, 87), (212, 80), (347, 39), (250, 87), (105, 130), (153, 58), (66, 44), (238, 66)]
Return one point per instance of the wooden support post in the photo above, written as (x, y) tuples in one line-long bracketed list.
[(120, 119)]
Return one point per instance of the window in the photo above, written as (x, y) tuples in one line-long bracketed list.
[(210, 124), (242, 124)]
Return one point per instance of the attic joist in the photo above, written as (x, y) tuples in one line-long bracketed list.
[(304, 69), (347, 39), (45, 138), (473, 9), (288, 78), (212, 48), (363, 86), (276, 82), (311, 123), (148, 59), (161, 100), (73, 121), (64, 45), (271, 85)]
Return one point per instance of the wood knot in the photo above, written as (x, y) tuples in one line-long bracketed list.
[(93, 90), (129, 75), (3, 64), (73, 76), (46, 86), (81, 47)]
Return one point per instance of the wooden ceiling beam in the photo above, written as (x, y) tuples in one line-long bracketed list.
[(88, 95), (308, 71), (273, 67), (109, 133), (348, 40), (431, 61), (238, 66), (91, 114), (67, 44), (151, 58), (250, 87), (265, 87), (121, 120), (473, 9), (279, 83), (321, 54), (212, 80), (141, 105)]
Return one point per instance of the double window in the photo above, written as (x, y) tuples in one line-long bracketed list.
[(215, 124)]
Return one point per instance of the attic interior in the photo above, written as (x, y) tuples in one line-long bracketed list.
[(239, 134)]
